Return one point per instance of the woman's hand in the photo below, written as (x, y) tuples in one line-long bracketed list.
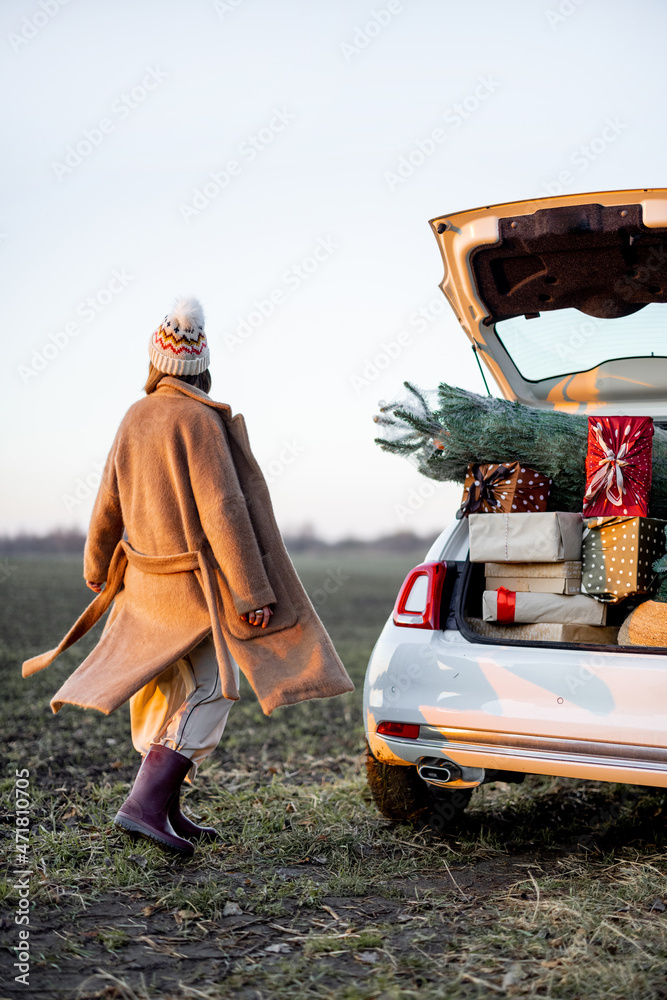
[(97, 587), (259, 617)]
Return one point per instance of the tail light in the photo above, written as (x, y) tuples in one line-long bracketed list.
[(406, 730), (419, 599)]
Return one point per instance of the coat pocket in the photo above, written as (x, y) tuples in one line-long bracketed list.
[(284, 613)]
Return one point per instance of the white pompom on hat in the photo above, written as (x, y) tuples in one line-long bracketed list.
[(178, 346)]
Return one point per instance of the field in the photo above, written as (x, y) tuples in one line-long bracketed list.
[(554, 888)]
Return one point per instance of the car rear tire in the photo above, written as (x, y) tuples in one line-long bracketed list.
[(401, 795)]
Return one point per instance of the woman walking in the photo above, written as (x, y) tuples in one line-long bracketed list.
[(184, 542)]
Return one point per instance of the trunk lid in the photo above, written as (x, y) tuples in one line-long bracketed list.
[(565, 298)]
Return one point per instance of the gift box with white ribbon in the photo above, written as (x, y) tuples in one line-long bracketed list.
[(618, 466)]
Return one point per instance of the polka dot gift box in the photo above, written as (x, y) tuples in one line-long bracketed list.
[(618, 555), (618, 466), (503, 489)]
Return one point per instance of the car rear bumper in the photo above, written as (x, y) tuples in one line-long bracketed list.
[(574, 758)]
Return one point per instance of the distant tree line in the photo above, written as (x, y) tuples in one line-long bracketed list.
[(72, 540)]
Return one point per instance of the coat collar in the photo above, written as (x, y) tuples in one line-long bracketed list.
[(169, 384)]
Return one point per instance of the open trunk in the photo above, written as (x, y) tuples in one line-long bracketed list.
[(466, 614), (565, 302)]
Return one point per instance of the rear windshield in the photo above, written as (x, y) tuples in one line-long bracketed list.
[(565, 340)]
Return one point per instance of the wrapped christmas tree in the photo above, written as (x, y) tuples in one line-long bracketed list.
[(445, 431)]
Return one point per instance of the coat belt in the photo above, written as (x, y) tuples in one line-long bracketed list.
[(180, 562)]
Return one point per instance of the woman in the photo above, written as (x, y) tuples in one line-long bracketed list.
[(184, 541)]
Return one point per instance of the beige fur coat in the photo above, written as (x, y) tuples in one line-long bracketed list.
[(202, 547)]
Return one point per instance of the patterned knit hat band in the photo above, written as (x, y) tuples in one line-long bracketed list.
[(179, 346)]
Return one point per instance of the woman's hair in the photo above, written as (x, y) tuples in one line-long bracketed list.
[(155, 376)]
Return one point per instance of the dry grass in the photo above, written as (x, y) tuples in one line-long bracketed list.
[(555, 888)]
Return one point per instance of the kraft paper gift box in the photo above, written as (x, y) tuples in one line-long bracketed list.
[(507, 607), (497, 489), (618, 466), (545, 632), (618, 556), (528, 585), (537, 578), (534, 538)]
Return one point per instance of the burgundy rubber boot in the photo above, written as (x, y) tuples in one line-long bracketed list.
[(146, 809), (184, 827)]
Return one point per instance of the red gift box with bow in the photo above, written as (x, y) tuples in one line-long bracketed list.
[(618, 466)]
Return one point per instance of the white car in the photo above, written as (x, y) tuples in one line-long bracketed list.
[(447, 709)]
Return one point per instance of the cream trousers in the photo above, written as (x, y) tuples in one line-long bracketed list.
[(183, 707)]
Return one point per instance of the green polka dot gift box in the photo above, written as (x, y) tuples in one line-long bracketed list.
[(618, 555)]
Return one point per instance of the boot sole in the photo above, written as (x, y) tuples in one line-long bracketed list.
[(136, 826)]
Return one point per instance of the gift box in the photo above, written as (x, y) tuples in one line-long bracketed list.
[(536, 578), (534, 538), (507, 607), (545, 632), (497, 489), (618, 466), (618, 555), (535, 585)]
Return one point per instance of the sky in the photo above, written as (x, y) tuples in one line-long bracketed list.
[(281, 163)]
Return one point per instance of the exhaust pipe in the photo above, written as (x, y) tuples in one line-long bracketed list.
[(437, 772), (445, 773)]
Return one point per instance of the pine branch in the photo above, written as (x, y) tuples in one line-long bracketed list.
[(461, 427)]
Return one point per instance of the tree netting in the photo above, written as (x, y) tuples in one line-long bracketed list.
[(444, 431)]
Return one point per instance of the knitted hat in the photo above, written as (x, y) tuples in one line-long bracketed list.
[(178, 346)]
